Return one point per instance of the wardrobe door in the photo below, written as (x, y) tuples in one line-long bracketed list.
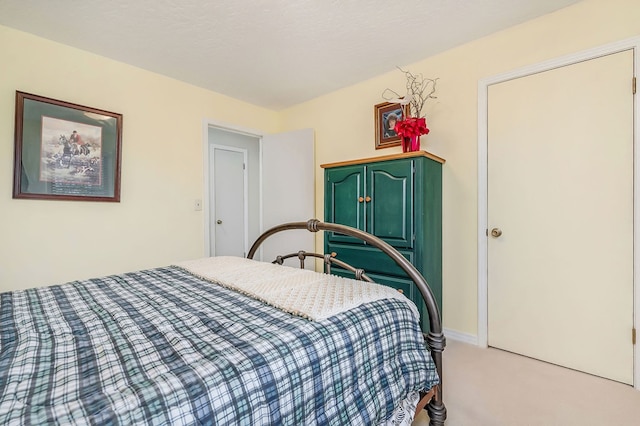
[(345, 200), (389, 202)]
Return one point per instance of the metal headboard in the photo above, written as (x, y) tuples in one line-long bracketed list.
[(435, 339)]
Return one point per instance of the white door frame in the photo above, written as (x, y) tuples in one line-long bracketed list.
[(207, 202), (483, 87), (245, 194)]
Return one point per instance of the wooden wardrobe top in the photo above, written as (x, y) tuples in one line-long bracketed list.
[(385, 158)]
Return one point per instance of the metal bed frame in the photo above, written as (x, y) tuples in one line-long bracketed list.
[(435, 340)]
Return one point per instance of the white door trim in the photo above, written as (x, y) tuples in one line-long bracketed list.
[(483, 86), (245, 194), (206, 204)]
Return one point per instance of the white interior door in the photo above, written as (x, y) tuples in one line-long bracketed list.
[(288, 191), (560, 189), (229, 197)]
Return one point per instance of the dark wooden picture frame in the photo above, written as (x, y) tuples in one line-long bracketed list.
[(65, 151), (384, 113)]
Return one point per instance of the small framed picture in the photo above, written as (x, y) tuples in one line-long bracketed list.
[(386, 116), (65, 151)]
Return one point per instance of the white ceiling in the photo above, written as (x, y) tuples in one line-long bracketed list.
[(272, 53)]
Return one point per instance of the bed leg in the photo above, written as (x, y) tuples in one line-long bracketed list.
[(436, 409), (437, 412)]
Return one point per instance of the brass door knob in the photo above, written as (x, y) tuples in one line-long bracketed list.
[(496, 232), (367, 199), (360, 199)]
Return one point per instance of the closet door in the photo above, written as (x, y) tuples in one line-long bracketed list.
[(560, 175), (229, 197)]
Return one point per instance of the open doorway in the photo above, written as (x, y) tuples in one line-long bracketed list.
[(280, 186)]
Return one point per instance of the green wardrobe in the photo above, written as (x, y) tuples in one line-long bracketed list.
[(397, 198)]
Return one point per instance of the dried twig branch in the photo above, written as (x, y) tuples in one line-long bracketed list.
[(419, 90)]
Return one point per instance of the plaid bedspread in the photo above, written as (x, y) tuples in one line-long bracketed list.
[(164, 347)]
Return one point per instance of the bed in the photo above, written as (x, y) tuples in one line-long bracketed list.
[(222, 341)]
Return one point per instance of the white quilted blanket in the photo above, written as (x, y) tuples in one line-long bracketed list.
[(300, 292)]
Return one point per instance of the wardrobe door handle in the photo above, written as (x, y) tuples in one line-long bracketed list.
[(367, 199), (360, 199)]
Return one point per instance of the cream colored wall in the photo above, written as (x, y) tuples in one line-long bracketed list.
[(343, 122), (47, 242), (44, 242)]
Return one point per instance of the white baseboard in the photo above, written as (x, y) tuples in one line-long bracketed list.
[(459, 336)]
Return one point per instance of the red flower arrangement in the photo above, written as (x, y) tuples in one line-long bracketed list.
[(411, 127)]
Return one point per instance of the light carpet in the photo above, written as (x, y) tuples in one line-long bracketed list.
[(493, 388)]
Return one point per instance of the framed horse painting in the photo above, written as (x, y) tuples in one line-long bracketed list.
[(65, 151)]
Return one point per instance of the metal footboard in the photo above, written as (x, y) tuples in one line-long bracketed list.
[(434, 338)]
